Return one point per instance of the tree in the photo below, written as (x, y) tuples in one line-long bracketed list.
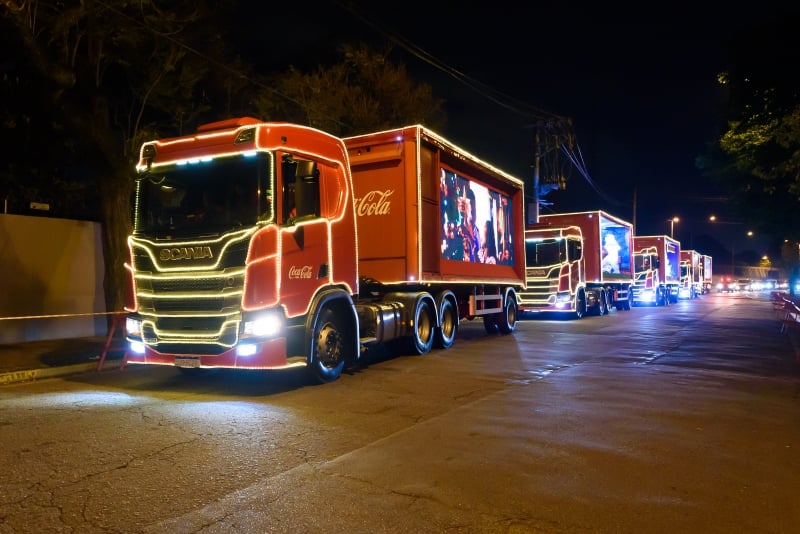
[(97, 77), (757, 156), (86, 82), (364, 92)]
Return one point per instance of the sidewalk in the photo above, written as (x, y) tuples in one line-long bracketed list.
[(32, 360)]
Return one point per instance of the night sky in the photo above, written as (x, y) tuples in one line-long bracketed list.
[(639, 86)]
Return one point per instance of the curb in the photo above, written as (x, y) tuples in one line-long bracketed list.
[(32, 375)]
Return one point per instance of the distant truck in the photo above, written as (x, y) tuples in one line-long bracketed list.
[(578, 263), (691, 275), (270, 245), (656, 261), (708, 272)]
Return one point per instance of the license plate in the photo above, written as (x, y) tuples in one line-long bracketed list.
[(187, 362)]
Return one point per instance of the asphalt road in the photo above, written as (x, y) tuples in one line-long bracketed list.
[(677, 419)]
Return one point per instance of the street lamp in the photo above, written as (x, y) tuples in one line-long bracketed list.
[(672, 222)]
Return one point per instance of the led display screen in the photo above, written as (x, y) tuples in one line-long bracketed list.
[(615, 243), (673, 262), (475, 222)]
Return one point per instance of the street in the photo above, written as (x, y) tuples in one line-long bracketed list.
[(683, 418)]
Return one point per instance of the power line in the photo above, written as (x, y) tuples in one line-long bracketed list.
[(559, 138)]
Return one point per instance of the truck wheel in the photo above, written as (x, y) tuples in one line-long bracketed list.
[(423, 327), (628, 304), (580, 305), (659, 298), (490, 324), (508, 321), (328, 347), (604, 303), (448, 325)]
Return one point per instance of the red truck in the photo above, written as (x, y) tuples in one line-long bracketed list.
[(578, 263), (656, 262), (691, 275), (269, 245)]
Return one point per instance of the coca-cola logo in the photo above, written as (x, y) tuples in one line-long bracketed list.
[(374, 203), (300, 272)]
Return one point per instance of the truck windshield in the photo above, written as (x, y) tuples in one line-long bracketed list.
[(641, 263), (205, 198), (543, 253)]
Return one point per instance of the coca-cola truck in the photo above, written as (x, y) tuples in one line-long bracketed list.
[(270, 245), (578, 263), (656, 261), (708, 272), (691, 275)]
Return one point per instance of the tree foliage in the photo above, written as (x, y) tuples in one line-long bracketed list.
[(85, 82), (364, 92), (94, 79), (757, 155)]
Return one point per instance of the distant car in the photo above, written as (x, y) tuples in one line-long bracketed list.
[(727, 285), (769, 284), (744, 284)]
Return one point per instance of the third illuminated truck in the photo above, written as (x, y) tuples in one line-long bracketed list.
[(578, 263), (262, 245), (656, 262)]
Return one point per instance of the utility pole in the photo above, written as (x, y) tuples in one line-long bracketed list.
[(551, 136), (533, 207)]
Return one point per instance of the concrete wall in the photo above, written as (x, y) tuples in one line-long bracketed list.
[(51, 279)]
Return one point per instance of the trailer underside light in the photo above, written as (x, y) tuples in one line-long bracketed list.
[(137, 347)]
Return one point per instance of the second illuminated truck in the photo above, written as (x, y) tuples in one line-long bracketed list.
[(657, 267), (269, 245), (578, 263)]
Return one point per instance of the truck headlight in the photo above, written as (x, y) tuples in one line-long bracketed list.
[(263, 325)]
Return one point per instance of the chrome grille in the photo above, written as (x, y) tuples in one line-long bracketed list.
[(192, 311)]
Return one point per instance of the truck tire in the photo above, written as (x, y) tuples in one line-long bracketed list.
[(508, 321), (424, 329), (580, 305), (490, 324), (328, 347), (627, 304), (448, 324)]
